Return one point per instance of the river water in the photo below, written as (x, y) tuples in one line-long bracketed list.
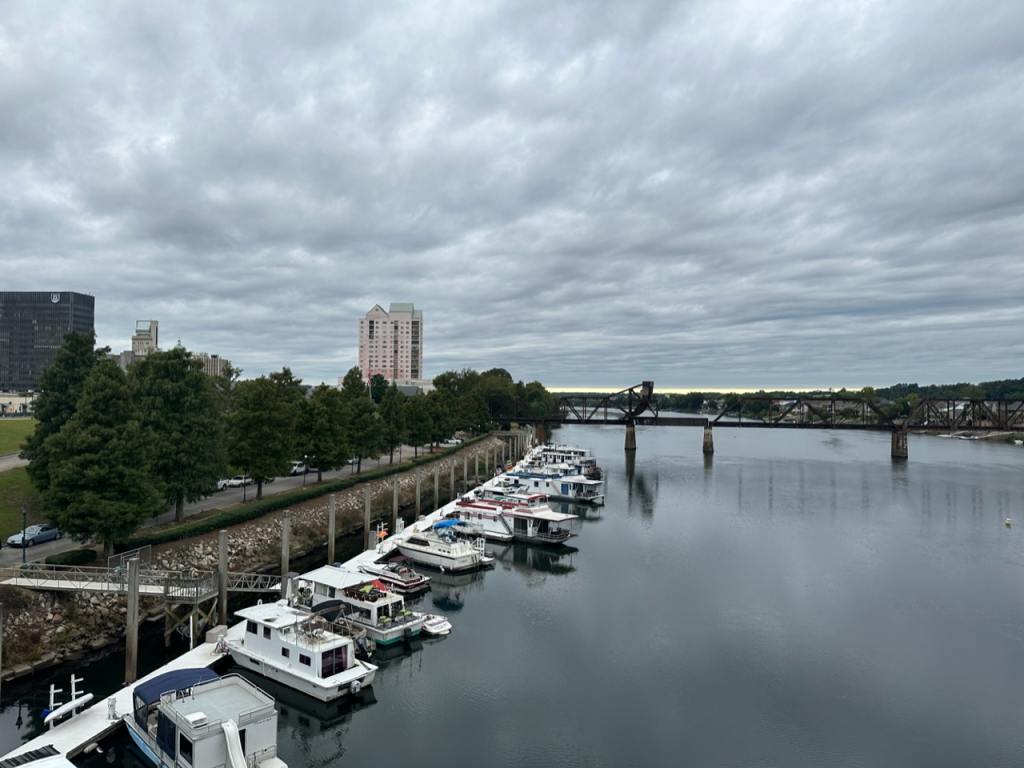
[(798, 601)]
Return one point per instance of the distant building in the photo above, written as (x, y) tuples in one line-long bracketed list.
[(213, 365), (33, 325), (146, 338), (17, 404), (391, 342)]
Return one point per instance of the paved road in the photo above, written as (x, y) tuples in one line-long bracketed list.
[(10, 461), (218, 500)]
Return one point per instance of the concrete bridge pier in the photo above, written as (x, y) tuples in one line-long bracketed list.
[(367, 530), (286, 534), (630, 436), (709, 442), (131, 630), (899, 445), (222, 576)]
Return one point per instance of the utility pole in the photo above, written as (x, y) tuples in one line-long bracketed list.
[(24, 526)]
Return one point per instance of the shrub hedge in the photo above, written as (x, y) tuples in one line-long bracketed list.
[(243, 513), (83, 556)]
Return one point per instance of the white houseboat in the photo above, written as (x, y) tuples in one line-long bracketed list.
[(299, 649), (442, 549), (194, 719), (554, 484), (504, 516)]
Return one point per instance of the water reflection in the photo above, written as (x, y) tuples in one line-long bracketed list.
[(448, 590), (527, 558)]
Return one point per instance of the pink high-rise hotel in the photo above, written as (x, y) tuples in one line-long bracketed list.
[(391, 343)]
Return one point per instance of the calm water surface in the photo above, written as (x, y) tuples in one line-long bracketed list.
[(799, 601)]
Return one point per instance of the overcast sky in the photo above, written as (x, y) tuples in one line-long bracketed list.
[(704, 194)]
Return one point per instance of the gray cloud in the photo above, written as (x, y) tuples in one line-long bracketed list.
[(702, 193)]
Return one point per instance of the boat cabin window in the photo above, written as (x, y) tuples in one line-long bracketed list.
[(323, 590), (334, 661), (304, 659), (185, 748), (250, 627), (285, 652), (241, 739), (266, 633)]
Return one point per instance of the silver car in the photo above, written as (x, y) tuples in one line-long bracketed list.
[(34, 534)]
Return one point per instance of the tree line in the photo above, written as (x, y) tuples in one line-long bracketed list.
[(112, 448)]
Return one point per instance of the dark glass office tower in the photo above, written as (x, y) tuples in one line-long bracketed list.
[(32, 328)]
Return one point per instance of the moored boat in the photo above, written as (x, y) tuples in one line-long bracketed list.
[(398, 576), (193, 717), (442, 549), (299, 649)]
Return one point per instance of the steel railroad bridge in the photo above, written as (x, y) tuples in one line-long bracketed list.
[(637, 405)]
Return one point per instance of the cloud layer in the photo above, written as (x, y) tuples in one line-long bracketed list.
[(704, 193)]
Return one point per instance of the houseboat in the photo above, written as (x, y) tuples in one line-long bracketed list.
[(505, 516), (567, 456), (299, 649), (381, 612), (442, 549), (194, 719), (554, 484)]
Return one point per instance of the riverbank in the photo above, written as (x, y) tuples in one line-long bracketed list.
[(42, 630)]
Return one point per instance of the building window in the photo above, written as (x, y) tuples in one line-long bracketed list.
[(250, 627)]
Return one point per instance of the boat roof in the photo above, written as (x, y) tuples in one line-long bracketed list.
[(232, 698), (149, 691), (278, 614), (333, 576), (540, 513)]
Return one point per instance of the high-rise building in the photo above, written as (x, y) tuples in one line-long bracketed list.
[(391, 342), (213, 365), (146, 338), (33, 325)]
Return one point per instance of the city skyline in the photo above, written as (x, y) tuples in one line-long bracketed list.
[(706, 194)]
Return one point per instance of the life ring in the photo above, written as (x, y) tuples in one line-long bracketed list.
[(356, 687)]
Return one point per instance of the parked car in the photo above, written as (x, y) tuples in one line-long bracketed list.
[(297, 468), (453, 441), (239, 480), (222, 484), (34, 534)]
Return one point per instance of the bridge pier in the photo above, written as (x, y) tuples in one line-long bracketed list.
[(332, 520), (630, 436), (709, 442), (899, 445), (286, 531), (368, 534)]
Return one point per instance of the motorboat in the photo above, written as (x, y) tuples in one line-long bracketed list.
[(399, 577), (436, 625), (441, 548), (481, 518), (194, 718), (300, 649)]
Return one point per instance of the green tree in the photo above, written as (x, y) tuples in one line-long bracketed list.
[(60, 389), (180, 406), (353, 386), (392, 416), (441, 420), (262, 427), (101, 483), (378, 386), (364, 430), (322, 433), (418, 422)]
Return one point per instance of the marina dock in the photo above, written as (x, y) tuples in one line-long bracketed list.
[(71, 736)]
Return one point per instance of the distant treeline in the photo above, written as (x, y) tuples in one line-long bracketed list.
[(900, 395)]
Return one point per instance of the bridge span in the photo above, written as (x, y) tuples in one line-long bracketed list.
[(637, 405)]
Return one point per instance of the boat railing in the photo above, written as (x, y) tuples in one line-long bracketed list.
[(555, 535)]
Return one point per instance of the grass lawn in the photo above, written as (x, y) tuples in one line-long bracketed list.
[(13, 433), (16, 488)]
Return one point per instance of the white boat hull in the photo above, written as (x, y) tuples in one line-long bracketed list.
[(440, 561), (340, 685)]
